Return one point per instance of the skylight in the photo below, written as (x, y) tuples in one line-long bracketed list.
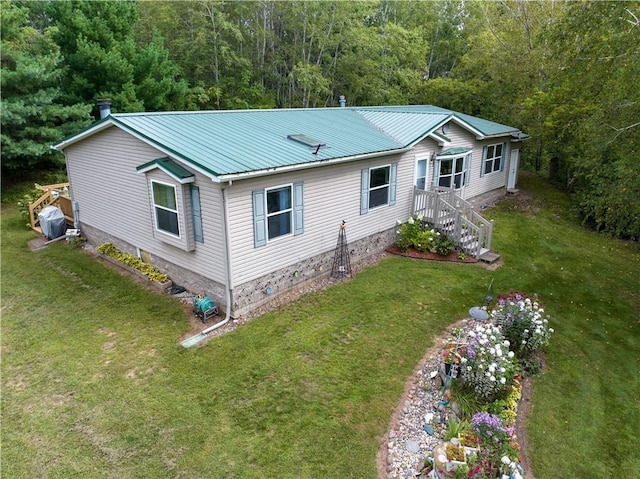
[(307, 141)]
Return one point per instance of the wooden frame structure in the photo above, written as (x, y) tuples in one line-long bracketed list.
[(56, 195)]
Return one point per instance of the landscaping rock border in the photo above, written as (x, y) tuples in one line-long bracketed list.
[(421, 393)]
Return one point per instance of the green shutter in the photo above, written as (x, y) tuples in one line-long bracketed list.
[(259, 219), (298, 209), (196, 213), (364, 191)]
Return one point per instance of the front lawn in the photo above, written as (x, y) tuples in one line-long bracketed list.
[(95, 384)]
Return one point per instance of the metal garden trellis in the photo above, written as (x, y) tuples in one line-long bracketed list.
[(341, 262)]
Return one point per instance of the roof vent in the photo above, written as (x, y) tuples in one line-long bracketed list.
[(308, 141)]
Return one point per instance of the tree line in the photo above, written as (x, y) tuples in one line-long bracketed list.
[(567, 73)]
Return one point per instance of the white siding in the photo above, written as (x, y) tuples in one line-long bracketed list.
[(331, 195), (113, 197)]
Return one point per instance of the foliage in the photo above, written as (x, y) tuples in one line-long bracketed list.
[(522, 322), (443, 245), (414, 234), (153, 273), (32, 115), (102, 60), (25, 201), (506, 408), (487, 364), (456, 428)]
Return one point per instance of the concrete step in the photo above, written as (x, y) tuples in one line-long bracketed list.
[(489, 257)]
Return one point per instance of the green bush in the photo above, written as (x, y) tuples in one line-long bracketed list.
[(153, 273), (414, 234), (443, 245)]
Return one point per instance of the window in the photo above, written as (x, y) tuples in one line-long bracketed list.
[(277, 212), (378, 187), (453, 170), (165, 206), (493, 158), (451, 173)]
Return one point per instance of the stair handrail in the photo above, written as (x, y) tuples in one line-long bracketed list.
[(34, 208), (45, 200)]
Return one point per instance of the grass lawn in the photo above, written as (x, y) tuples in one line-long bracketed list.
[(95, 384)]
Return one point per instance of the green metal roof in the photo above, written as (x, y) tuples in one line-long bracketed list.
[(170, 167), (242, 142), (454, 152)]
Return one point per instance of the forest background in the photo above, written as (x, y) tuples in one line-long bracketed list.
[(566, 73)]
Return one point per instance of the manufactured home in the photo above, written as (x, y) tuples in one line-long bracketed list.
[(245, 205)]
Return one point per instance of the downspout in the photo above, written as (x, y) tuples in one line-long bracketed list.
[(227, 249)]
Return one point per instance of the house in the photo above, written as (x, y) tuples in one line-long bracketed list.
[(247, 204)]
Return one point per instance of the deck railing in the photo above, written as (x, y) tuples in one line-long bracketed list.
[(56, 195), (452, 215)]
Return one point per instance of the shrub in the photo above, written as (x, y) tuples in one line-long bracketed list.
[(443, 245), (153, 273), (414, 234), (487, 365), (522, 322), (407, 233)]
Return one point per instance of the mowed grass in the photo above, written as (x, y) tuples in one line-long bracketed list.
[(95, 384)]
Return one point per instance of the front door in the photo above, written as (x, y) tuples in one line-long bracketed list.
[(513, 169)]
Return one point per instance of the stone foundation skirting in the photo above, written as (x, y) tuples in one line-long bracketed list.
[(487, 199), (265, 289)]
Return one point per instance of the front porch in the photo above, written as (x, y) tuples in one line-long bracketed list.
[(448, 213)]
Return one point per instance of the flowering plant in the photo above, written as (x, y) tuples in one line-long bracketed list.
[(487, 365), (490, 429), (450, 355), (523, 322), (413, 234)]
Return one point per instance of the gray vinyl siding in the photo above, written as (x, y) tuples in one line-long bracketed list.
[(113, 197), (331, 195), (461, 138)]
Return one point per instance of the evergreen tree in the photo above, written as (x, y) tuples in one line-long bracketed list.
[(102, 59), (32, 115)]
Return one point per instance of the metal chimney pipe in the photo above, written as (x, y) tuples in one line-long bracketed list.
[(343, 101), (105, 107)]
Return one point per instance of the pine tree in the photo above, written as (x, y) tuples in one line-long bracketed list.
[(31, 113)]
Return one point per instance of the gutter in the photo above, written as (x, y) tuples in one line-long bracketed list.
[(303, 166), (229, 271), (193, 340)]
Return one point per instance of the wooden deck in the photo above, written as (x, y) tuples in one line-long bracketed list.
[(56, 195)]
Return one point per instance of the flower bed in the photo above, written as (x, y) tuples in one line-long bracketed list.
[(134, 265), (489, 388)]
